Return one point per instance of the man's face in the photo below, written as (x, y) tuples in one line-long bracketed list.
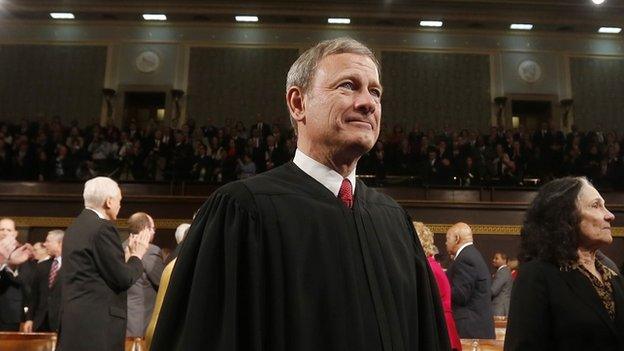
[(7, 228), (498, 261), (53, 245), (451, 242), (152, 228), (343, 104), (113, 205), (39, 251)]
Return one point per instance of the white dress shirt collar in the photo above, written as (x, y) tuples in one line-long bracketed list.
[(501, 267), (330, 179), (461, 248)]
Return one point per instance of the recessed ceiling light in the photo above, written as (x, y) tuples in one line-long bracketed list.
[(431, 23), (598, 2), (521, 26), (339, 20), (62, 15), (246, 18), (154, 17), (613, 30)]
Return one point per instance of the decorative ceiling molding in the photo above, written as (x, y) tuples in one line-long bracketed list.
[(487, 12)]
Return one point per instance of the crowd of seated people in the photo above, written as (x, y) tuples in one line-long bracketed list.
[(51, 151), (500, 157), (46, 151)]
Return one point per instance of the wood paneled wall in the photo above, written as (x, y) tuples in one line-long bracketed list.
[(436, 88), (495, 214), (238, 84), (598, 93), (39, 81)]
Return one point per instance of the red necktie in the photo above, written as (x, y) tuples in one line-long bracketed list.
[(345, 193), (53, 272)]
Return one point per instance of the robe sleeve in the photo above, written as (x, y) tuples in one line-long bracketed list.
[(215, 300)]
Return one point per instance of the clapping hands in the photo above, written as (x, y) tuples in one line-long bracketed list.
[(138, 243), (11, 254)]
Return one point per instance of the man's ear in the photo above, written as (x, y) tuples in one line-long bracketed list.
[(107, 202), (296, 104)]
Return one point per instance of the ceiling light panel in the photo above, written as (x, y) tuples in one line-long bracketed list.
[(335, 20), (154, 17), (612, 30), (62, 15), (521, 26), (246, 18), (431, 24)]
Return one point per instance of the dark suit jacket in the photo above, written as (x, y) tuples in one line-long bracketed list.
[(94, 284), (471, 298), (553, 309), (11, 298), (45, 301)]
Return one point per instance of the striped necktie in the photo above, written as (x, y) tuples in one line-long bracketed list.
[(53, 273)]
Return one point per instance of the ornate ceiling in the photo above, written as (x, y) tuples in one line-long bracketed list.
[(496, 15)]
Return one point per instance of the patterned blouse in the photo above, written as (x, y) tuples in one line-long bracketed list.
[(604, 289)]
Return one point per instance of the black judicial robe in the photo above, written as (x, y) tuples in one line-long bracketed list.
[(277, 262)]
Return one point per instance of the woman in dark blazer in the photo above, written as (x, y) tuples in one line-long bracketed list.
[(564, 298)]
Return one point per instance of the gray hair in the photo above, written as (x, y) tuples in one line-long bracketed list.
[(302, 72), (181, 231), (97, 190), (57, 234)]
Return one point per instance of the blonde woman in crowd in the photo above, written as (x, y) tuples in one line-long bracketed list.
[(426, 239)]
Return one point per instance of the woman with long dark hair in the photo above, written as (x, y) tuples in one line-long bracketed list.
[(564, 297)]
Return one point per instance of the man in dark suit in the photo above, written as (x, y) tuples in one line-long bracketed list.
[(95, 273), (44, 306), (10, 254), (142, 295), (470, 285), (502, 283), (13, 290), (11, 300)]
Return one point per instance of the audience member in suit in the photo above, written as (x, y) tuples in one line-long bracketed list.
[(96, 275), (264, 129), (12, 288), (40, 253), (11, 300), (180, 234), (444, 287), (142, 295), (44, 306), (470, 285), (502, 281), (273, 154), (565, 298), (11, 254)]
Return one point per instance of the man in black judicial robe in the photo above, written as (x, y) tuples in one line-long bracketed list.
[(294, 259)]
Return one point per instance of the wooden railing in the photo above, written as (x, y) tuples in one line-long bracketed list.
[(13, 341), (10, 341)]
